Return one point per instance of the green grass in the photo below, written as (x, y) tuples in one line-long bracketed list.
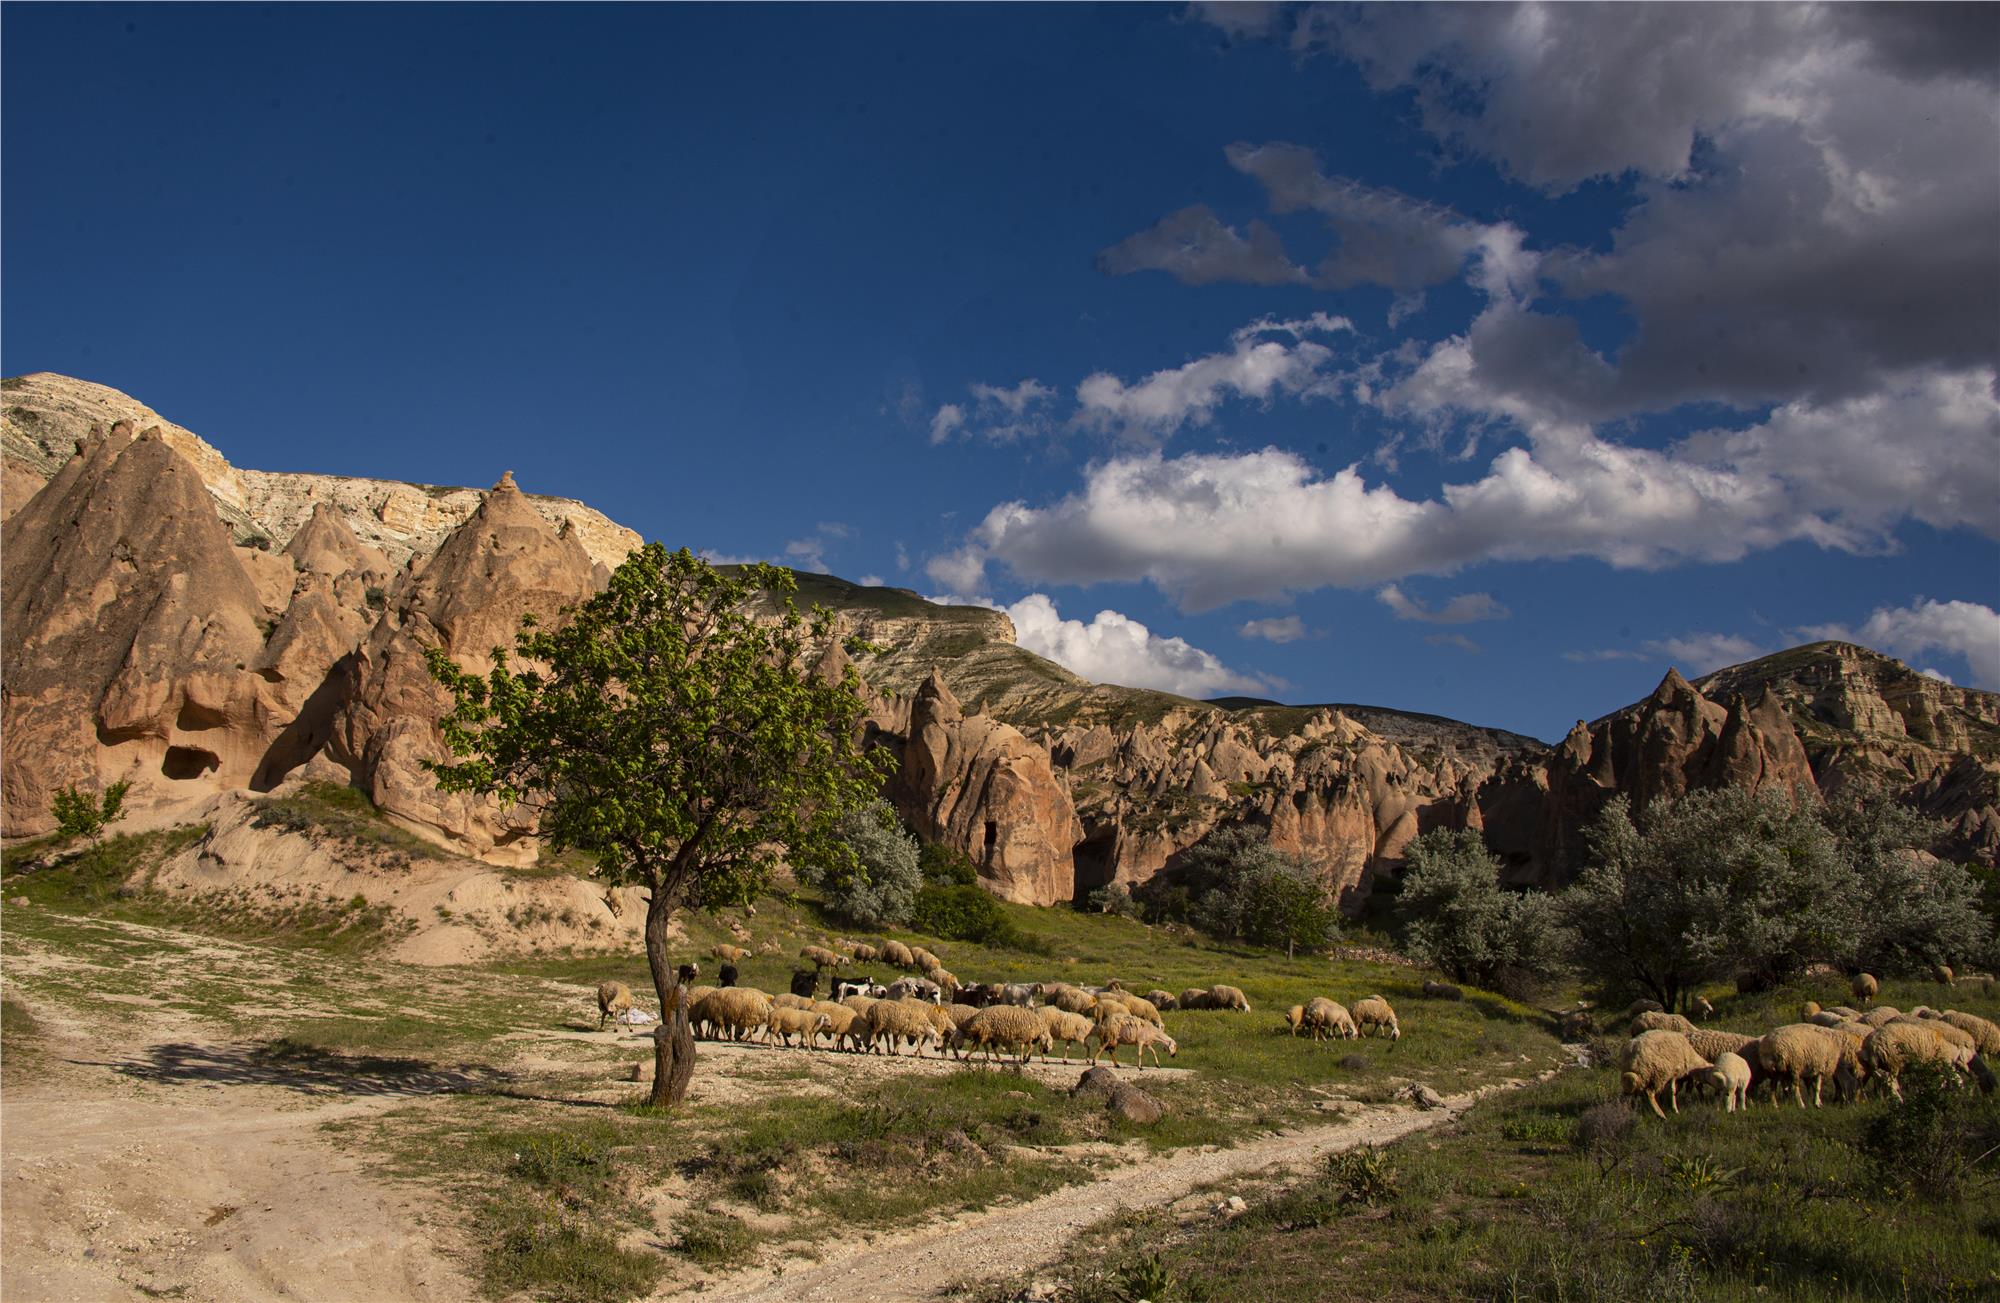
[(1708, 1205), (334, 810)]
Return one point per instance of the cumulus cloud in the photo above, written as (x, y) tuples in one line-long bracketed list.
[(1211, 528), (950, 419), (999, 414), (1114, 648), (1279, 629), (1465, 608), (1197, 248), (1256, 367), (1692, 654), (1457, 640), (1966, 629)]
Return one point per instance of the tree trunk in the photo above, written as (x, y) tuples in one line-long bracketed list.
[(673, 1042)]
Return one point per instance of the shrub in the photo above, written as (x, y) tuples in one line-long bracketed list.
[(1457, 918), (1114, 899), (1604, 1134), (1931, 1143), (963, 913), (1235, 884), (79, 814), (883, 890), (1364, 1175)]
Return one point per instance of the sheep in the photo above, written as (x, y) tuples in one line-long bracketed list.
[(1890, 1048), (898, 954), (1731, 1076), (1826, 1018), (915, 988), (1865, 986), (1131, 1031), (1798, 1051), (614, 1000), (1072, 1029), (1843, 1011), (730, 954), (1637, 1007), (947, 981), (1228, 997), (1194, 997), (1709, 1043), (1984, 1032), (821, 958), (1442, 991), (892, 1022), (1880, 1014), (840, 1022), (1374, 1013), (859, 1003), (1161, 1000), (1702, 1009), (959, 1013), (1655, 1061), (1808, 1010), (1006, 1027), (1142, 1008), (865, 953), (1944, 975), (737, 1010), (1662, 1022), (791, 1001), (923, 960), (1322, 1017), (806, 1024)]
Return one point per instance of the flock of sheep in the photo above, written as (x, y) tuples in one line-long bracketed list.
[(1010, 1021), (1855, 1051)]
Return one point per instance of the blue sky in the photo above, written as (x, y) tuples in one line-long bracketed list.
[(1475, 361)]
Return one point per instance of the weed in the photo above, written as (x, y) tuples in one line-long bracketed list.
[(714, 1240), (1364, 1175)]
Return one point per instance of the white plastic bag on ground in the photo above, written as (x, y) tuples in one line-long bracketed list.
[(636, 1018)]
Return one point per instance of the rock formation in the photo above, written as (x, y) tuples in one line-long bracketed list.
[(501, 564), (975, 784)]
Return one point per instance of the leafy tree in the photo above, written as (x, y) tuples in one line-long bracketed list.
[(1916, 911), (1715, 884), (883, 890), (1244, 887), (79, 814), (1457, 918), (677, 739)]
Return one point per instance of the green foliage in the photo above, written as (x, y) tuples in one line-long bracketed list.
[(1915, 911), (1242, 887), (673, 736), (1115, 899), (1933, 1143), (79, 814), (948, 867), (1364, 1175), (1457, 919), (883, 888), (964, 913), (1151, 1277), (336, 810)]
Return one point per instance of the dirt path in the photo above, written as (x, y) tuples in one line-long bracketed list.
[(203, 1191), (922, 1264)]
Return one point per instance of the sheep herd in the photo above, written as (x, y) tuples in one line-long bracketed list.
[(999, 1022), (1855, 1051)]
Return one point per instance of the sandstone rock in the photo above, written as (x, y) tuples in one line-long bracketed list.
[(325, 545), (1423, 1096), (1134, 1105), (504, 562), (1097, 1080), (977, 785), (129, 631)]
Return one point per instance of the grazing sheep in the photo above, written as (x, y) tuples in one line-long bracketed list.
[(1195, 997), (1070, 999), (1802, 1051), (614, 1000), (806, 1024), (1637, 1007), (791, 1001), (1442, 991), (1892, 1047), (947, 981), (1655, 1061), (730, 954), (1662, 1022), (1731, 1076), (959, 1013), (1826, 1018), (1142, 1036), (1708, 1043), (1865, 986), (1072, 1029), (1984, 1032), (941, 1021), (1161, 1000), (1374, 1014), (1808, 1010), (891, 1023), (1944, 975), (865, 953), (1227, 997), (840, 1022), (915, 988), (1322, 1017), (821, 958), (1004, 1027), (1702, 1009), (923, 960), (895, 952), (1142, 1008), (737, 1010), (1880, 1014)]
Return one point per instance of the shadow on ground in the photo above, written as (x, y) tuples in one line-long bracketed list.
[(306, 1069)]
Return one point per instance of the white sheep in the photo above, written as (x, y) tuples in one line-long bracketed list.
[(1654, 1020), (1142, 1035), (1655, 1061), (1731, 1075), (1865, 986), (1799, 1052), (1374, 1014), (614, 1000)]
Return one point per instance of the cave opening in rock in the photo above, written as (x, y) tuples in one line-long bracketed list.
[(1093, 862), (992, 836), (189, 762)]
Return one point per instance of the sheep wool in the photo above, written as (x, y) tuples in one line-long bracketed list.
[(790, 1001), (1373, 1014), (1004, 1027), (1139, 1034), (839, 1022), (1731, 1076), (1142, 1008), (730, 954), (737, 1010), (1195, 997), (1881, 1014), (895, 952), (821, 957), (1228, 997), (613, 1000), (1801, 1052), (1865, 986), (1655, 1061), (806, 1024), (1161, 1000), (1708, 1044), (1890, 1048), (1070, 999), (1984, 1032), (865, 953), (1652, 1021), (892, 1023)]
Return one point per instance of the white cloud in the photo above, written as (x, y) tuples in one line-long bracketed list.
[(902, 556), (1197, 248), (1457, 640), (1256, 368), (1462, 609), (949, 420), (872, 581), (1605, 654), (1115, 648), (1937, 674), (1279, 629), (1698, 653), (1966, 629), (961, 572)]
